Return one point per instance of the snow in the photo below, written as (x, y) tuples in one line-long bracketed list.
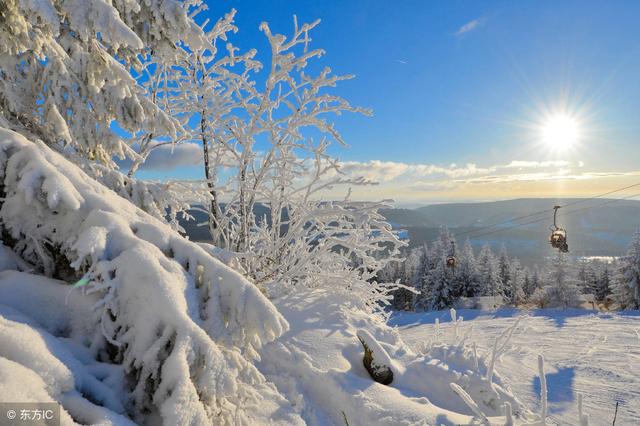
[(53, 368), (318, 365), (182, 325), (585, 352)]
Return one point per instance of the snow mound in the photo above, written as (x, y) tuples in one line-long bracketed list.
[(183, 326), (318, 364)]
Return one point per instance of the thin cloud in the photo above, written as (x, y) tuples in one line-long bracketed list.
[(169, 157), (470, 26)]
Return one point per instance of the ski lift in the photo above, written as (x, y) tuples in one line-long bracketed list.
[(451, 258), (558, 237)]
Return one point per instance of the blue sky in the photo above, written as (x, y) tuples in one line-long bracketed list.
[(463, 87)]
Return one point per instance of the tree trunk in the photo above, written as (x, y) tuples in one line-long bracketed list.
[(214, 208)]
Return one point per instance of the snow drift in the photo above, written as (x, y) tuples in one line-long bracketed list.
[(183, 326)]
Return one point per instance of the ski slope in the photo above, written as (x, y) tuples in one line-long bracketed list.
[(596, 354)]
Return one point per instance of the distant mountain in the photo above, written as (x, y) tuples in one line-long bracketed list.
[(407, 217), (593, 229)]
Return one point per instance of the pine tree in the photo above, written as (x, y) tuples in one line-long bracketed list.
[(534, 283), (490, 280), (438, 287), (603, 288), (504, 270), (516, 283), (627, 285), (587, 277), (468, 280), (562, 282)]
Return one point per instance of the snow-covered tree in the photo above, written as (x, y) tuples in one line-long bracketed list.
[(489, 272), (438, 285), (540, 297), (65, 70), (516, 283), (603, 288), (587, 276), (627, 283), (261, 150), (504, 271), (437, 288), (467, 275), (562, 282), (533, 283)]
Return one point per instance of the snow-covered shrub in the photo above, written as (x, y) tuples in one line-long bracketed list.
[(183, 325), (541, 297)]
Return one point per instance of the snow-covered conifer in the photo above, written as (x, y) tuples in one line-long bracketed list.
[(467, 275), (489, 272), (516, 283), (66, 70), (627, 284), (504, 271), (562, 282)]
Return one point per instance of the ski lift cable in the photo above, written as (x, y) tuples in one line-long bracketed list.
[(565, 213), (545, 211), (477, 232)]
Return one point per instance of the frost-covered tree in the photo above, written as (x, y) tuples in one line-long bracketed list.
[(504, 271), (438, 285), (587, 276), (437, 288), (562, 282), (265, 134), (540, 297), (603, 288), (533, 283), (627, 283), (467, 275), (516, 283), (65, 70), (489, 272), (81, 75), (405, 273)]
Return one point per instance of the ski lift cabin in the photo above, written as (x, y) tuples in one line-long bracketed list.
[(451, 262), (558, 237), (451, 258)]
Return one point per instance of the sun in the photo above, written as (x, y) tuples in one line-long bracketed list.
[(560, 132)]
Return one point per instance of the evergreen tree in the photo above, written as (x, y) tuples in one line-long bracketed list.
[(587, 277), (516, 283), (504, 270), (627, 285), (490, 280), (604, 283), (536, 281), (467, 278), (562, 282), (439, 287)]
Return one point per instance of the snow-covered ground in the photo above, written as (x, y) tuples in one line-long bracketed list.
[(318, 366), (596, 354)]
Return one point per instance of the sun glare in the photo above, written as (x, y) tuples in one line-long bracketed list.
[(560, 132)]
